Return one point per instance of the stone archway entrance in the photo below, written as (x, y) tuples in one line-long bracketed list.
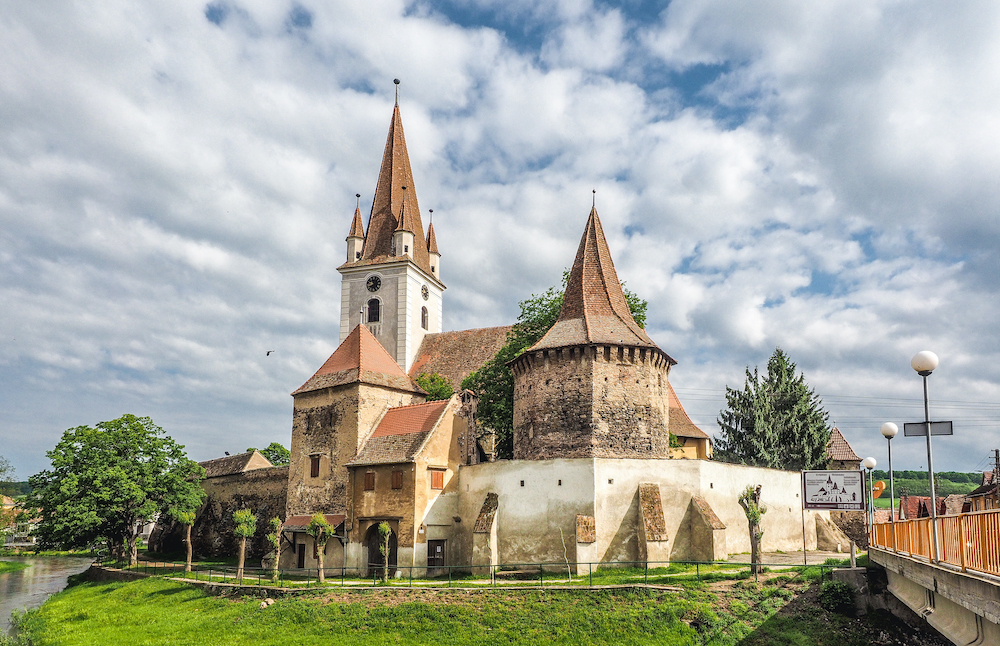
[(372, 540)]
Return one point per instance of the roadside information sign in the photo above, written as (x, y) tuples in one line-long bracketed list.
[(843, 490)]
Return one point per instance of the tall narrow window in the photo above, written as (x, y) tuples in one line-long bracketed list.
[(370, 481), (423, 317), (314, 466), (397, 479), (374, 315)]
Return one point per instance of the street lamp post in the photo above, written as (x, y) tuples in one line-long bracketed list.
[(889, 431), (925, 363), (869, 464)]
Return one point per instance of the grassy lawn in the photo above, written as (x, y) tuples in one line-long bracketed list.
[(780, 609), (12, 566)]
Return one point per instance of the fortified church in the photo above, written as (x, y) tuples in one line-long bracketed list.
[(607, 465)]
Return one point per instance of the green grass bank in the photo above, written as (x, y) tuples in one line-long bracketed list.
[(779, 611), (12, 566)]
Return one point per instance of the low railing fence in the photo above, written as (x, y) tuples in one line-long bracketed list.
[(968, 541), (541, 574)]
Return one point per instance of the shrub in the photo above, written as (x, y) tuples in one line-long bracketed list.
[(837, 596)]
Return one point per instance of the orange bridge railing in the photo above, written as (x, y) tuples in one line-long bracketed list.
[(969, 541)]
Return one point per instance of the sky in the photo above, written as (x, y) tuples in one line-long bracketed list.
[(177, 180)]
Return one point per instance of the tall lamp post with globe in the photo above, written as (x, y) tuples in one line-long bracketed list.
[(889, 431), (925, 363), (869, 464)]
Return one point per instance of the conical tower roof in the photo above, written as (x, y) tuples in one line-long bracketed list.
[(360, 358), (392, 200), (357, 230), (594, 309), (432, 241)]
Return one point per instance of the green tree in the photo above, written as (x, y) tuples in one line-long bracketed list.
[(245, 526), (320, 530), (276, 454), (494, 381), (437, 386), (106, 481), (750, 502), (7, 477), (385, 533), (274, 539), (186, 519), (776, 421)]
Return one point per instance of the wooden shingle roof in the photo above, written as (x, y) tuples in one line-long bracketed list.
[(679, 423), (594, 309), (359, 359), (231, 464), (838, 449)]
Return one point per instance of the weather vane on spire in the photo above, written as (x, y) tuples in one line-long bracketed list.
[(594, 202), (431, 211), (358, 195), (396, 81)]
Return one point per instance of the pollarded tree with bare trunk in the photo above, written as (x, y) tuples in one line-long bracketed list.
[(750, 502), (246, 525), (319, 529)]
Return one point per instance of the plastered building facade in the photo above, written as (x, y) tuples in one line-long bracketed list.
[(607, 464)]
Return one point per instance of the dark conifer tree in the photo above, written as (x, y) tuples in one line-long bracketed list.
[(775, 421)]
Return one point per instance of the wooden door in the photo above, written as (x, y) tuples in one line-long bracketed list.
[(436, 554)]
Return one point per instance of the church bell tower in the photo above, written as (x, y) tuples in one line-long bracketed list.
[(391, 281)]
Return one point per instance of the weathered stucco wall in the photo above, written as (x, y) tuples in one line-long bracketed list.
[(529, 517), (333, 423)]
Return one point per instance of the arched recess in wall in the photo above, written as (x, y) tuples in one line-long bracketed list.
[(423, 317)]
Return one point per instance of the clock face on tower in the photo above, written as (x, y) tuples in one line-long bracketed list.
[(426, 293), (373, 283)]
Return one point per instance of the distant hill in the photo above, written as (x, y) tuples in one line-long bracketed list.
[(915, 482), (14, 489)]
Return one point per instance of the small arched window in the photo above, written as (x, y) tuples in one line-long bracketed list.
[(423, 317), (374, 313)]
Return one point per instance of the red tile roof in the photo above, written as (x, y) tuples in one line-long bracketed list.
[(987, 486), (454, 355), (594, 309), (357, 229), (401, 434), (388, 203), (360, 358), (838, 448), (300, 523), (679, 423)]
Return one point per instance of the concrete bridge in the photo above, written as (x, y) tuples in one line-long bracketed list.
[(958, 589)]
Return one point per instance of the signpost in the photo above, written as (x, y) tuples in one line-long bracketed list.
[(831, 490), (919, 429)]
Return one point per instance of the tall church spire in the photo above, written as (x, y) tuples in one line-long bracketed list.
[(393, 200), (594, 309)]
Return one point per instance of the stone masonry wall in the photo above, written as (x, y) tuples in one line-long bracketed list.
[(597, 401), (262, 491)]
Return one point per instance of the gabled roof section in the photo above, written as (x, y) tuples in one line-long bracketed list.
[(432, 241), (401, 434), (594, 309), (678, 421), (454, 355), (391, 200), (238, 463), (405, 219), (838, 449), (359, 359), (357, 230)]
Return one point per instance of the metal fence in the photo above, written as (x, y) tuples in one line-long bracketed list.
[(968, 541), (479, 576)]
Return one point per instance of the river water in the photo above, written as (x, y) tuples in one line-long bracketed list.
[(30, 587)]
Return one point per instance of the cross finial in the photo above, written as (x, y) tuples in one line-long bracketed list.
[(396, 81)]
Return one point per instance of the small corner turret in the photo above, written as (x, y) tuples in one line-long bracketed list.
[(356, 237), (432, 250), (403, 236)]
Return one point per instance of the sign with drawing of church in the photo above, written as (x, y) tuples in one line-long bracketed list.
[(842, 490)]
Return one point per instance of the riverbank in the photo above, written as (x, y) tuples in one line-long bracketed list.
[(11, 566), (780, 610)]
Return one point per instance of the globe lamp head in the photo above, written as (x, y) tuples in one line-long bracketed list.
[(889, 430), (924, 362), (869, 463)]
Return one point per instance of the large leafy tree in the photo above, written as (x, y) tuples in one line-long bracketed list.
[(437, 386), (494, 381), (106, 480), (775, 421)]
